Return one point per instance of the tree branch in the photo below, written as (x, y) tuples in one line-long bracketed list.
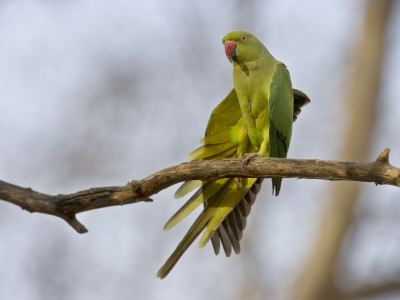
[(67, 206)]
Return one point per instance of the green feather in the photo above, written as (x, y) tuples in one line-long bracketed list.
[(204, 193), (281, 117), (187, 187), (218, 138), (225, 115), (209, 150), (194, 231), (188, 239)]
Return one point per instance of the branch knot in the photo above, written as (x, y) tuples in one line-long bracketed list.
[(136, 187), (384, 156)]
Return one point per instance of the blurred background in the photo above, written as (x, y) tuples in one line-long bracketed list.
[(98, 93)]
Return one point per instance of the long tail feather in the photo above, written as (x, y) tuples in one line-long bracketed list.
[(204, 193), (194, 231), (188, 239)]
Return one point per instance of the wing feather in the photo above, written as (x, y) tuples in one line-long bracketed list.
[(281, 111)]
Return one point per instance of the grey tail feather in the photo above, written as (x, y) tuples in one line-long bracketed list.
[(230, 232)]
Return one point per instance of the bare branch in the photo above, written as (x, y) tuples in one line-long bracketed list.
[(67, 206)]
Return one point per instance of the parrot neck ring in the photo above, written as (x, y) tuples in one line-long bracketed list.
[(230, 50)]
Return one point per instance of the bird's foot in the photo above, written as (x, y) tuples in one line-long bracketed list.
[(248, 157)]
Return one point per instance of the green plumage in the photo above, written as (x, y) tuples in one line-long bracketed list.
[(255, 117)]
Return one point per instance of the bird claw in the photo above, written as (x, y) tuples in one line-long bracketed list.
[(248, 157)]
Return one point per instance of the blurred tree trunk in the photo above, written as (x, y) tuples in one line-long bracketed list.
[(315, 281)]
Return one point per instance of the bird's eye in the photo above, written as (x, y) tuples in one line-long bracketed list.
[(244, 38)]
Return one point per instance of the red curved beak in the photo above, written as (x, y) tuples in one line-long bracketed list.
[(230, 50)]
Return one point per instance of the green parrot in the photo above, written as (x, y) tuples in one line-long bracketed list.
[(256, 118)]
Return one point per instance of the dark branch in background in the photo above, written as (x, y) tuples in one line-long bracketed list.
[(67, 206)]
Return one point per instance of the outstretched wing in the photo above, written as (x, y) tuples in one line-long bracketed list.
[(217, 144)]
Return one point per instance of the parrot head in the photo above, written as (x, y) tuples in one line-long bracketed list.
[(242, 47)]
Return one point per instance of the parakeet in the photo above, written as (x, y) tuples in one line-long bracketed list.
[(255, 118)]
